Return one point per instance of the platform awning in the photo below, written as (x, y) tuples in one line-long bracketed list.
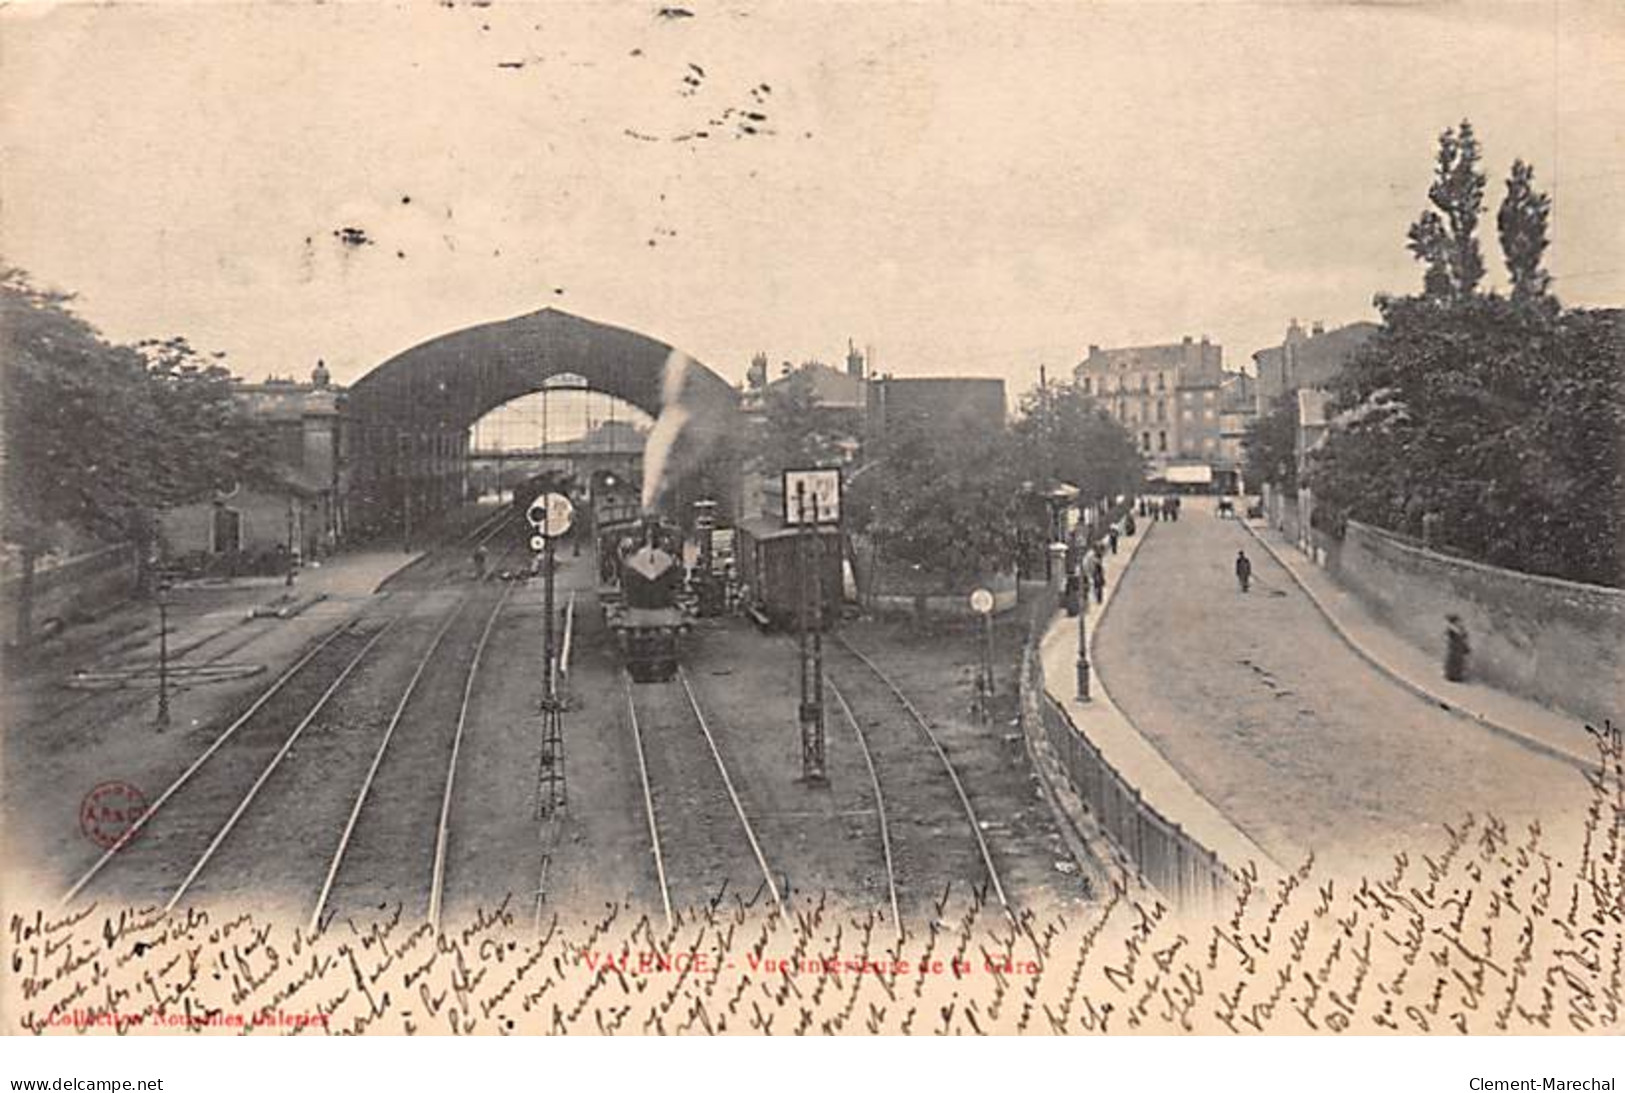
[(1199, 474)]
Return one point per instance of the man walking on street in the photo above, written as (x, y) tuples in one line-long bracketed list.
[(1244, 570), (1094, 571)]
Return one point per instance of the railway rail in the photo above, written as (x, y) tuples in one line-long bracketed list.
[(711, 827), (185, 820), (929, 734), (298, 671)]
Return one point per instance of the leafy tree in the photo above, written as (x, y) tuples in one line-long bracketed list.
[(1062, 435), (204, 440), (1499, 418), (74, 419), (1446, 241), (1271, 446), (1504, 420), (945, 503), (1521, 224), (97, 436), (796, 430)]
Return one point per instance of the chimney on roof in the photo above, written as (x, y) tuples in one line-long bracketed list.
[(1319, 328), (854, 360), (1187, 339), (756, 377)]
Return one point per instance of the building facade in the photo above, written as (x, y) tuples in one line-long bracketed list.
[(1238, 408), (1305, 359), (301, 514), (1167, 398)]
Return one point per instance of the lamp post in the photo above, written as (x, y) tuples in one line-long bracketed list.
[(162, 595), (1083, 624)]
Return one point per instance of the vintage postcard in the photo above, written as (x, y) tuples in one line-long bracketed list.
[(830, 518)]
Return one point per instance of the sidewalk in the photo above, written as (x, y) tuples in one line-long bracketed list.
[(128, 633), (1129, 753), (1538, 727), (353, 575)]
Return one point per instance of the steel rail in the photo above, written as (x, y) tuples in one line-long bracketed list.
[(648, 799), (377, 762), (438, 880), (186, 775), (880, 802), (942, 754), (276, 761), (739, 808), (483, 529)]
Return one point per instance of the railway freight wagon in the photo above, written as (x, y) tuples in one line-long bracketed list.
[(768, 556)]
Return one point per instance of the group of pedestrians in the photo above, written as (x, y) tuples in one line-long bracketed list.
[(1088, 577), (1160, 508)]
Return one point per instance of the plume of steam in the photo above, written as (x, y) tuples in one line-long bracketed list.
[(697, 412), (662, 442)]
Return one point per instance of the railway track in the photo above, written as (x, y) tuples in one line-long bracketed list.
[(396, 838), (208, 806), (683, 799), (105, 703), (880, 803), (915, 855), (168, 835)]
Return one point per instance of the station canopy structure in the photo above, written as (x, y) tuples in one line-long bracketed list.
[(412, 415)]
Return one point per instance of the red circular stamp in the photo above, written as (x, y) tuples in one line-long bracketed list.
[(109, 811)]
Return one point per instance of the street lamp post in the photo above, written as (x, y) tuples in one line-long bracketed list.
[(1083, 641), (163, 654)]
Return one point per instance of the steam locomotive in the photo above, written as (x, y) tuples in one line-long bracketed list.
[(641, 585), (642, 590)]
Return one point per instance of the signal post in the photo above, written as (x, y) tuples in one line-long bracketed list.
[(812, 501), (551, 515)]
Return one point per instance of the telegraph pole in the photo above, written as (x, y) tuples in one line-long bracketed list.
[(812, 644)]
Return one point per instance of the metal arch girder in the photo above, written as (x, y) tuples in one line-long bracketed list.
[(450, 382)]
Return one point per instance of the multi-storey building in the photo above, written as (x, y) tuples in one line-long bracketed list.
[(1167, 397), (1238, 408), (1305, 360)]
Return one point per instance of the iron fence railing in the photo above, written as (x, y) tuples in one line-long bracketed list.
[(1166, 856)]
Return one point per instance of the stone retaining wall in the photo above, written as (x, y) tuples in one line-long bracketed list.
[(1558, 642)]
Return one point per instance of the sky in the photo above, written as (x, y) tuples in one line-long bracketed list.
[(967, 188)]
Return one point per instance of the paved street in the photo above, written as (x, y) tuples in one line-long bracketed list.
[(1265, 711)]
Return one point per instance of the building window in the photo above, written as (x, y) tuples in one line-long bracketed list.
[(1088, 385), (1145, 441), (1162, 410), (1187, 414), (1160, 384), (1208, 414), (1162, 441)]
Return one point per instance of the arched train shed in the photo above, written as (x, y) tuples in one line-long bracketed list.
[(410, 418)]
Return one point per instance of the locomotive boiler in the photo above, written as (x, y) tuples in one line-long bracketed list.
[(643, 593)]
